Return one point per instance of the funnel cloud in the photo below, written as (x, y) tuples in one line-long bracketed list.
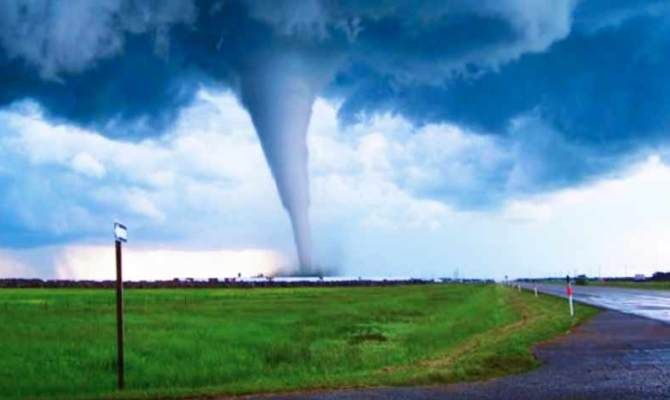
[(279, 97)]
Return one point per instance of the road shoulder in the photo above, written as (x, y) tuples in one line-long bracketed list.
[(613, 355)]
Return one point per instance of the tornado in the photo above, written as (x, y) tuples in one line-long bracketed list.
[(278, 92)]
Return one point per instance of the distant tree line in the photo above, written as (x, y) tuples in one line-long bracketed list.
[(660, 276), (583, 279), (210, 283)]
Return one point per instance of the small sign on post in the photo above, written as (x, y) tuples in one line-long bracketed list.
[(120, 236), (120, 232)]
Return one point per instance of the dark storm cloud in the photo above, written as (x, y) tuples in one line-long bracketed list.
[(588, 104), (95, 62), (592, 74), (607, 87), (123, 59)]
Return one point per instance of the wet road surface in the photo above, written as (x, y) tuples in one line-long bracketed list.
[(612, 356), (644, 302)]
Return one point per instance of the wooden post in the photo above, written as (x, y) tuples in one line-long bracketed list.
[(119, 317)]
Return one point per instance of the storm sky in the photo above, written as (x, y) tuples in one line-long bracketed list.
[(492, 138)]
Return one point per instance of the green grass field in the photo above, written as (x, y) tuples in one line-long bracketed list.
[(657, 285), (61, 343)]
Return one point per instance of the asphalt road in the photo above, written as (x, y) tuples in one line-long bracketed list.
[(612, 356), (653, 304)]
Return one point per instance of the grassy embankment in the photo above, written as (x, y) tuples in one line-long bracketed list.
[(61, 343), (656, 285)]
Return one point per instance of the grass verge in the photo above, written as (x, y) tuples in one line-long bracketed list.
[(61, 344)]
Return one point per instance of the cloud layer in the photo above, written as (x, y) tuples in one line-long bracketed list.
[(202, 192)]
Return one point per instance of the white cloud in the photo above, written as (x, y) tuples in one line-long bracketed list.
[(353, 173), (208, 167), (618, 223), (85, 164), (138, 201), (11, 267), (614, 225), (97, 262), (25, 263)]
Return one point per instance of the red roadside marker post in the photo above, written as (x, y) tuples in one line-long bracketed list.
[(120, 236), (570, 292)]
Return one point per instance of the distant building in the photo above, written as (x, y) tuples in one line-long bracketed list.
[(639, 277)]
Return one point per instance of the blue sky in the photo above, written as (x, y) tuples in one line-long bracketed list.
[(504, 137)]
